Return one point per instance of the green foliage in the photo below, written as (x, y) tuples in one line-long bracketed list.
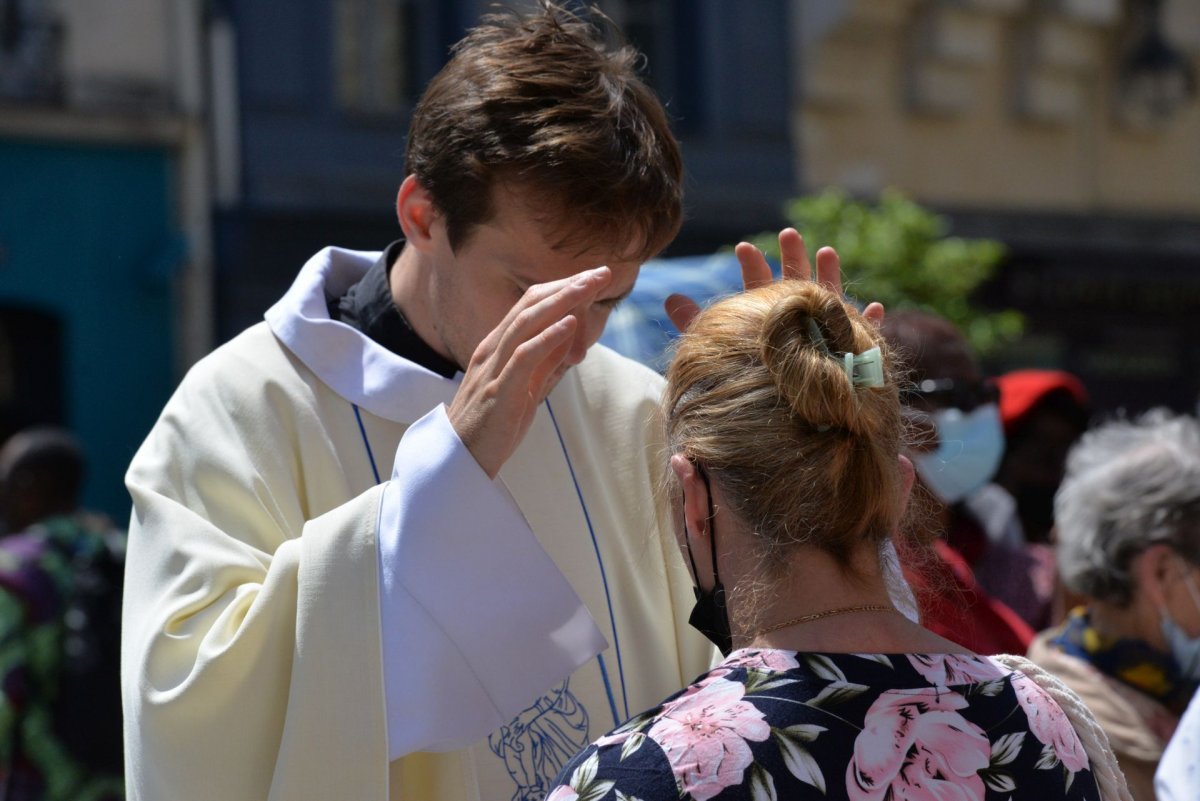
[(898, 253)]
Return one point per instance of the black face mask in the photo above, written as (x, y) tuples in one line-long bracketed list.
[(709, 616)]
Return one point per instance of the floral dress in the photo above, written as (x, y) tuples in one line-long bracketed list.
[(770, 724)]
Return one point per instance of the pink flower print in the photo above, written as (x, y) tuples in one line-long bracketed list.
[(769, 659), (704, 736), (946, 670), (916, 747), (1049, 723), (563, 793)]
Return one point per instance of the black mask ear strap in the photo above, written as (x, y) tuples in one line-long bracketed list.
[(712, 528), (687, 543)]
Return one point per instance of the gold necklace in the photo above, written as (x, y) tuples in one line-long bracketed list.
[(845, 610)]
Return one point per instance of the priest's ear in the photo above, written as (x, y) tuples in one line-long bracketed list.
[(417, 214)]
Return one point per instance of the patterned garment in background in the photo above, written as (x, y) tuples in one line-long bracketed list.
[(1130, 661), (45, 571), (770, 724)]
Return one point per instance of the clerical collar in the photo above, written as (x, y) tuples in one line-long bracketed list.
[(368, 307)]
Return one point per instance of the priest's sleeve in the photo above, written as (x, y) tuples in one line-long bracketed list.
[(253, 655)]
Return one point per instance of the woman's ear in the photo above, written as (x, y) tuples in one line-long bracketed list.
[(1154, 570), (695, 495), (908, 475), (416, 213)]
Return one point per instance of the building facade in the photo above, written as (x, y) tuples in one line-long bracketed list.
[(104, 235), (1063, 128)]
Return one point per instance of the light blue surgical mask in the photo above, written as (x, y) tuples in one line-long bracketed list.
[(970, 445), (1185, 649)]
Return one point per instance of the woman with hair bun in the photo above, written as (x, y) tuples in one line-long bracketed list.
[(784, 428)]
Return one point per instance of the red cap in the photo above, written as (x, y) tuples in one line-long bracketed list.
[(1021, 390)]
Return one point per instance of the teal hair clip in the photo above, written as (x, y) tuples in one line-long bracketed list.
[(816, 337), (865, 369)]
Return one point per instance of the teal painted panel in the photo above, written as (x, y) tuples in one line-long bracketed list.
[(90, 233)]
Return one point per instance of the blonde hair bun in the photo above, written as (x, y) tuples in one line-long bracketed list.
[(758, 393), (803, 338)]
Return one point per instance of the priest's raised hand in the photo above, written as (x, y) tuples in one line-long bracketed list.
[(515, 366)]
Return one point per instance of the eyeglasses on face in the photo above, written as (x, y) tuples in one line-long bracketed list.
[(949, 393)]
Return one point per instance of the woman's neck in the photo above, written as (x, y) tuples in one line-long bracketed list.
[(1136, 622), (814, 583)]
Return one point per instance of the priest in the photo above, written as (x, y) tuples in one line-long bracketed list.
[(401, 539)]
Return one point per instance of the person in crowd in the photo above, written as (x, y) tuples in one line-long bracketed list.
[(1044, 413), (1127, 518), (972, 589), (1178, 775), (60, 607), (784, 434), (393, 541)]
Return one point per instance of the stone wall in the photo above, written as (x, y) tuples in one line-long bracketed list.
[(999, 104)]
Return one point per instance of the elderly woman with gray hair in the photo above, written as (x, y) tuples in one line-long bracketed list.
[(1127, 517)]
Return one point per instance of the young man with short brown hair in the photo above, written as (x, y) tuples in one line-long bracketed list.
[(398, 540)]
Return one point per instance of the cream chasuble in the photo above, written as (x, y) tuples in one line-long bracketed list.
[(254, 661)]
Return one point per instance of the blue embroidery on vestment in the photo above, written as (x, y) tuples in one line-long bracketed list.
[(540, 740), (603, 578)]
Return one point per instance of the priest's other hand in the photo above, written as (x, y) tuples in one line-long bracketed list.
[(756, 272), (515, 366)]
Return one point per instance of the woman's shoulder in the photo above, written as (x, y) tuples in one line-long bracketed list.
[(770, 723)]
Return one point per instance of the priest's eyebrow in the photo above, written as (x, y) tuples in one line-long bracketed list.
[(618, 300)]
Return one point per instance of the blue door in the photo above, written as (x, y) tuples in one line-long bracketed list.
[(88, 247)]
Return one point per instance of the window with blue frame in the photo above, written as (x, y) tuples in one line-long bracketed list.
[(31, 37), (666, 33), (376, 68)]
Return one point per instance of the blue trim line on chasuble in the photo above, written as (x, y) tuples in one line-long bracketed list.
[(612, 702), (363, 430), (603, 578)]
